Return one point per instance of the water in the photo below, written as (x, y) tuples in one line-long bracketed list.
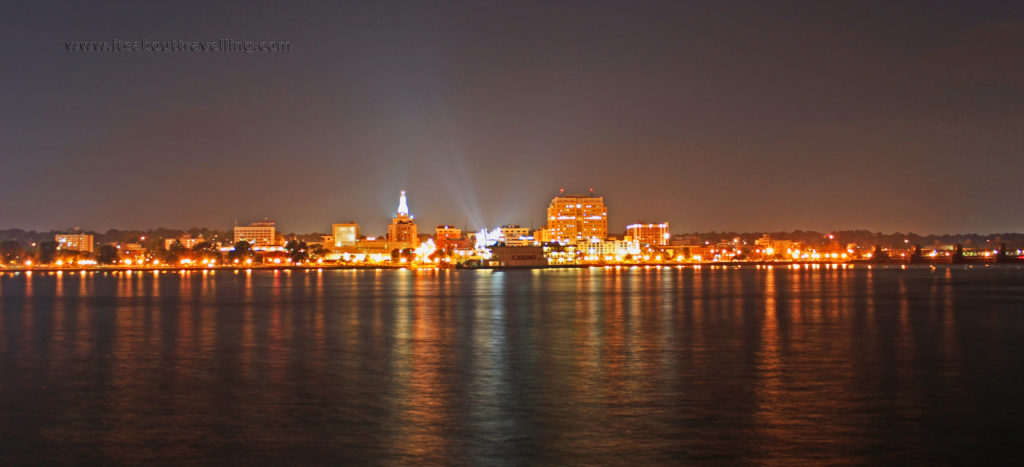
[(631, 366)]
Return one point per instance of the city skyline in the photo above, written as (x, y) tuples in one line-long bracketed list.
[(403, 210), (733, 117)]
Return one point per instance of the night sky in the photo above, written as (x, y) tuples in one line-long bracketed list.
[(889, 116)]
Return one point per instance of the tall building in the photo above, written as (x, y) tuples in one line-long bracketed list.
[(402, 228), (74, 241), (649, 234), (343, 235), (577, 217), (259, 234)]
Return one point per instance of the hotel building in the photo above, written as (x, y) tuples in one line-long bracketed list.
[(577, 217)]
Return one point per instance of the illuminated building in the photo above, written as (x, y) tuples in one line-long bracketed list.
[(344, 235), (259, 234), (577, 217), (133, 251), (513, 256), (379, 246), (649, 234), (686, 240), (402, 228), (186, 241), (74, 242), (604, 248), (450, 238), (447, 232), (770, 247), (514, 235), (560, 254)]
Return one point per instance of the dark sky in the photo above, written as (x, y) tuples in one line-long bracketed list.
[(891, 116)]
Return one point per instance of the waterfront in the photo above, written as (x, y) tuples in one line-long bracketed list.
[(635, 365)]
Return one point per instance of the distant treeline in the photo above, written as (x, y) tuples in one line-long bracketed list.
[(153, 237), (868, 238)]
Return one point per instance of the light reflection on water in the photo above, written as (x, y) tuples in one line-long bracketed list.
[(601, 365)]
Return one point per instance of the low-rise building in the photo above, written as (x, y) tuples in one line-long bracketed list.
[(344, 235), (649, 234), (599, 250), (75, 242), (517, 256), (770, 248), (447, 232), (186, 241), (514, 235), (259, 234)]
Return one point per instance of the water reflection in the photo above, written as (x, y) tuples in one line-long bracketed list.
[(623, 365)]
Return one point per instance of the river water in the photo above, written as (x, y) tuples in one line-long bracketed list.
[(728, 365)]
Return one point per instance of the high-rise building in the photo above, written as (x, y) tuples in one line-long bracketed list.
[(344, 235), (258, 234), (402, 228), (649, 234), (577, 217), (74, 241)]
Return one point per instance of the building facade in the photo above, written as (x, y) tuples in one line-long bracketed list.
[(344, 235), (608, 248), (186, 241), (514, 235), (258, 234), (517, 256), (649, 234), (576, 217), (447, 232), (74, 242)]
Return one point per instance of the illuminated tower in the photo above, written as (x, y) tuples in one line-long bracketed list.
[(576, 217), (403, 206), (402, 228)]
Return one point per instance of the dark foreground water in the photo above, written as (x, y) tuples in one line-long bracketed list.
[(632, 366)]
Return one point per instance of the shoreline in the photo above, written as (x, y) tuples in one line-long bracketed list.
[(432, 267)]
